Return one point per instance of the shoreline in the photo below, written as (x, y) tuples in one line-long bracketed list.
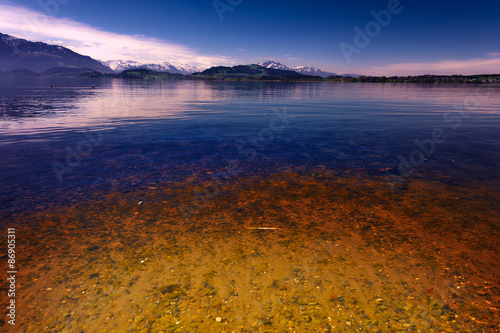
[(145, 74)]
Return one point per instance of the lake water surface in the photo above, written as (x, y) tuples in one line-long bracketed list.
[(382, 199), (129, 133)]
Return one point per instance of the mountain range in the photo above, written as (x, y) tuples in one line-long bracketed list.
[(121, 65), (22, 57), (299, 69), (302, 69), (254, 71), (21, 54)]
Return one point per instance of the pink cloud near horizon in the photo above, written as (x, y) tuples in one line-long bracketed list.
[(445, 67)]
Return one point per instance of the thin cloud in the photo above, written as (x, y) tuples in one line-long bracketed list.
[(242, 50), (446, 67), (103, 45), (493, 54)]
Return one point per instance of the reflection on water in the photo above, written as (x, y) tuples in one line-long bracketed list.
[(54, 140), (73, 104)]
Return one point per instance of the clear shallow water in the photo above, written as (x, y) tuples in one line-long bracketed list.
[(93, 181), (70, 142)]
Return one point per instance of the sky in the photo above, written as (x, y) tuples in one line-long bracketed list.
[(371, 37)]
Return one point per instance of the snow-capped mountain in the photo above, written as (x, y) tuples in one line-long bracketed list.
[(189, 68), (274, 65), (299, 69), (121, 65), (312, 71)]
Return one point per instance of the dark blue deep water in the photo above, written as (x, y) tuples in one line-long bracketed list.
[(67, 142)]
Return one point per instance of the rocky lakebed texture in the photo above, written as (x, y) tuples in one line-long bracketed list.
[(303, 251)]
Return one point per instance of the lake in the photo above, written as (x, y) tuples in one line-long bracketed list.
[(100, 176), (127, 133)]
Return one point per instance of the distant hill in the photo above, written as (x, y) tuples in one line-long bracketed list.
[(20, 73), (255, 72), (17, 53), (136, 73), (144, 73)]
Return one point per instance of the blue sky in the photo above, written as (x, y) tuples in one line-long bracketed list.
[(422, 36)]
